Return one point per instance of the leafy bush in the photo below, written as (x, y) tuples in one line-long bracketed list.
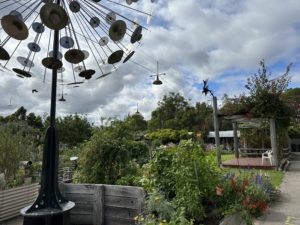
[(158, 211), (186, 175)]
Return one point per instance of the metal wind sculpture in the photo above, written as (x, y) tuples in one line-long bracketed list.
[(157, 80), (85, 40)]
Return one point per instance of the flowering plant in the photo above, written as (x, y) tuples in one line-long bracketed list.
[(248, 194)]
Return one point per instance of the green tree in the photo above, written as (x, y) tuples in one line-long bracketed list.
[(15, 146), (265, 94), (108, 155), (73, 129)]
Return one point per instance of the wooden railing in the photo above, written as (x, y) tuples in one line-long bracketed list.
[(12, 200), (252, 151)]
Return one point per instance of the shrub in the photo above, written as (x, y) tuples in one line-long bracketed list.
[(186, 175)]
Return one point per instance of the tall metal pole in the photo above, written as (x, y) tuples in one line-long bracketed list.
[(216, 126), (50, 207)]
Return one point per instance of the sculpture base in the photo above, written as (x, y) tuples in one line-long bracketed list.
[(48, 216)]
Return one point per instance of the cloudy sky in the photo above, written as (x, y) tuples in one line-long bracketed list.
[(219, 40)]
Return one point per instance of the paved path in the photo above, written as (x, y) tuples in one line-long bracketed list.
[(286, 211)]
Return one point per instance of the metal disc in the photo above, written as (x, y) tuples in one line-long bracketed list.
[(38, 27), (66, 42), (22, 72), (86, 54), (78, 69), (136, 35), (59, 55), (110, 17), (103, 75), (94, 22), (115, 57), (103, 41), (20, 76), (74, 56), (129, 2), (74, 6), (34, 47), (75, 83), (117, 30), (157, 82), (61, 70), (17, 14), (52, 63), (4, 54), (14, 27), (54, 16), (128, 56), (87, 74), (25, 61)]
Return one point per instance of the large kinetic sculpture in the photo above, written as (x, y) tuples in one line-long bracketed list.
[(85, 40)]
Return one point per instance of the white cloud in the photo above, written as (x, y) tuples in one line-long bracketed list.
[(193, 40)]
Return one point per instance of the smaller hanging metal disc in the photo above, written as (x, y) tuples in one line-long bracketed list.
[(74, 6), (129, 2), (52, 63), (117, 30), (38, 27), (87, 73), (78, 69), (17, 14), (4, 54), (74, 56), (110, 17), (25, 61), (103, 41), (96, 0), (75, 83), (94, 22), (61, 70), (103, 75), (66, 42), (54, 16), (86, 54), (136, 35), (34, 47), (14, 27), (22, 72), (128, 56), (59, 55), (115, 57)]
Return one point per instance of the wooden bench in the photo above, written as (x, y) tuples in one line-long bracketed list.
[(98, 204)]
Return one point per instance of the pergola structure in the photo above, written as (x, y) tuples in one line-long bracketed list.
[(239, 119)]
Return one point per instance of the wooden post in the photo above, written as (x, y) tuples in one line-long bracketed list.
[(216, 126), (273, 138), (235, 139), (98, 208)]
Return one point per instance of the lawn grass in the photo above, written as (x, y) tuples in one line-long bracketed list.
[(275, 176), (225, 157)]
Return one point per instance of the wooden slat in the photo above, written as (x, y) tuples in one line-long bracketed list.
[(125, 202), (79, 188), (81, 219), (118, 221), (118, 212), (124, 191)]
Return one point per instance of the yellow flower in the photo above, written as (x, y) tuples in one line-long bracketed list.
[(164, 221), (156, 198), (136, 218), (161, 224), (142, 219)]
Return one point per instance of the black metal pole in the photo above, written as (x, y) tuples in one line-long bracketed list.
[(50, 207)]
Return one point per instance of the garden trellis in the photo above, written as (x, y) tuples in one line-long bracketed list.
[(78, 41)]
